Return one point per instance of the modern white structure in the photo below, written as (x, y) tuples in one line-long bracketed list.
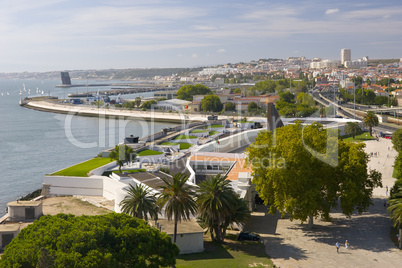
[(346, 55), (324, 64)]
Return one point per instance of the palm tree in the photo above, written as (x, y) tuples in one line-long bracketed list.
[(395, 207), (139, 202), (122, 154), (370, 121), (178, 200), (352, 128), (219, 206)]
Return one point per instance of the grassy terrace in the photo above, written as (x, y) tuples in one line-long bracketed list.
[(199, 131), (149, 152), (185, 137), (216, 126), (213, 132), (362, 137), (184, 146), (231, 253), (169, 143), (82, 169)]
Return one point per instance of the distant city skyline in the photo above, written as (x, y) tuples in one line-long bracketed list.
[(49, 35)]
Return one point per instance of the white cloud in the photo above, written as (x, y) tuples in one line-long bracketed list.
[(194, 55), (222, 50), (331, 11)]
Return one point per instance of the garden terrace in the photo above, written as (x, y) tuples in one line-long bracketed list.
[(149, 152), (82, 169)]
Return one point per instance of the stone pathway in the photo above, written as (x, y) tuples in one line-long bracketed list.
[(291, 244)]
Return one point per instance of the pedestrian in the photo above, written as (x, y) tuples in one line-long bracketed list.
[(346, 244), (337, 247), (386, 190)]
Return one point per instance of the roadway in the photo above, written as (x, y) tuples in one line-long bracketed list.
[(380, 128)]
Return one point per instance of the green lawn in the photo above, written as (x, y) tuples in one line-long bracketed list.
[(231, 253), (362, 137), (199, 131), (213, 132), (169, 143), (149, 152), (184, 146), (185, 137), (216, 126), (243, 122), (82, 169)]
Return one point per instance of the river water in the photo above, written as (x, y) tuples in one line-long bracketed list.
[(34, 143)]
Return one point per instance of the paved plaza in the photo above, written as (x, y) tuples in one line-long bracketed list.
[(290, 244)]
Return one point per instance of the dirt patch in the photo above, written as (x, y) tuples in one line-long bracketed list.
[(71, 205)]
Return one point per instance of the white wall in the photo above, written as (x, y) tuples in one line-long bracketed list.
[(62, 185), (152, 158), (190, 243)]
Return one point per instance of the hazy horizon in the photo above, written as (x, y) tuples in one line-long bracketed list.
[(50, 35)]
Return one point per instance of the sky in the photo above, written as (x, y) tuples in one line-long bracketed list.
[(55, 35)]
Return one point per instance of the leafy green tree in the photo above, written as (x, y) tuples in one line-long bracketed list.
[(211, 103), (287, 97), (148, 104), (395, 208), (139, 202), (177, 198), (187, 92), (122, 154), (303, 173), (370, 120), (237, 90), (353, 129), (137, 101), (230, 106), (305, 98), (397, 140), (252, 106), (219, 206), (111, 240)]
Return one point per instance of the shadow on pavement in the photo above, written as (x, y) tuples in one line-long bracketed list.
[(368, 231), (275, 248), (261, 222)]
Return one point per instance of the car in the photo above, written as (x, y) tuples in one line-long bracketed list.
[(248, 236)]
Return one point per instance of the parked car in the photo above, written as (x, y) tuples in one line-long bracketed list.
[(248, 236)]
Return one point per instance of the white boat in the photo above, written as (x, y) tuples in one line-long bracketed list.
[(1, 93), (8, 94)]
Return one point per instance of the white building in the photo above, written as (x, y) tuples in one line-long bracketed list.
[(346, 55)]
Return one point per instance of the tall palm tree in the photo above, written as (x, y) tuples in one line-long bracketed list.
[(178, 200), (140, 202), (395, 208), (219, 206), (353, 128), (370, 120)]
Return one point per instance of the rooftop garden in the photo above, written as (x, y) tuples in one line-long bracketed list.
[(185, 137), (199, 131), (216, 126), (149, 152), (82, 169), (213, 132), (243, 122), (169, 143), (185, 146)]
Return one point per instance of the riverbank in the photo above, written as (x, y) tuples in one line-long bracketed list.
[(82, 110)]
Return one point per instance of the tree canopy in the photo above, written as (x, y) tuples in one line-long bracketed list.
[(304, 173), (211, 103), (370, 120), (111, 240), (220, 206), (187, 92), (122, 154), (139, 202), (230, 106), (353, 129)]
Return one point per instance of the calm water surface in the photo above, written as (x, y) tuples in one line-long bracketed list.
[(34, 143)]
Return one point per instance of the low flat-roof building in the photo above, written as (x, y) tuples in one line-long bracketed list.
[(24, 210)]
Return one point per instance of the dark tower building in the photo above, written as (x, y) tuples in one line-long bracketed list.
[(273, 119), (65, 78)]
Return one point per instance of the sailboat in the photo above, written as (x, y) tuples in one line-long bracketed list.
[(1, 93), (8, 94)]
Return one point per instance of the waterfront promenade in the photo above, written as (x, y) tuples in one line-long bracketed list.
[(149, 115)]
